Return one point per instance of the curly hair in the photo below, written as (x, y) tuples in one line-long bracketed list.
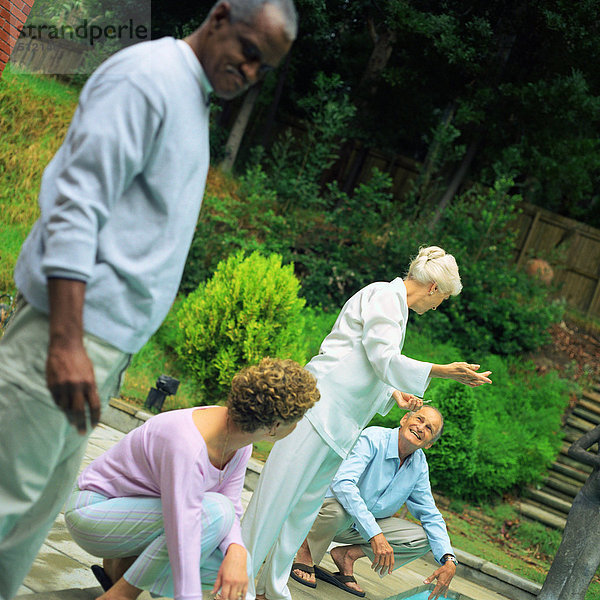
[(274, 390)]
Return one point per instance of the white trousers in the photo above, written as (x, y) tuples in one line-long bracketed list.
[(290, 492), (40, 451)]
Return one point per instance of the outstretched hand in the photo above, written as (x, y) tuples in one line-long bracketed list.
[(444, 576), (462, 372)]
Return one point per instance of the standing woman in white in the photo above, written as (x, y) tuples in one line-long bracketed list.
[(360, 371)]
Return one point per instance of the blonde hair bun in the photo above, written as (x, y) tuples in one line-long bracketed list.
[(434, 265)]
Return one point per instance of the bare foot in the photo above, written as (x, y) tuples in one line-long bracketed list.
[(121, 590), (115, 568), (344, 558), (303, 556), (261, 597)]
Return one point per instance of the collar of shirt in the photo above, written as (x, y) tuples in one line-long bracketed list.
[(194, 64), (391, 452)]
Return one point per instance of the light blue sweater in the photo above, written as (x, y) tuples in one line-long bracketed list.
[(120, 199)]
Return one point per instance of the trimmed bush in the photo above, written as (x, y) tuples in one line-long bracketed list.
[(453, 458), (496, 437), (249, 309)]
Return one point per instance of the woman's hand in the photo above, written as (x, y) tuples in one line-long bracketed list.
[(407, 401), (232, 578), (462, 372)]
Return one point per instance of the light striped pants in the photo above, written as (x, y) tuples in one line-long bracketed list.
[(133, 526)]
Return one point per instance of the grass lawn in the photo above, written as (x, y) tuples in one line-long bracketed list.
[(499, 534), (34, 116)]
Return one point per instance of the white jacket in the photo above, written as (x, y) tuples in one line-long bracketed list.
[(360, 363)]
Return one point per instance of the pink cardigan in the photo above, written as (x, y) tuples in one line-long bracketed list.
[(167, 458)]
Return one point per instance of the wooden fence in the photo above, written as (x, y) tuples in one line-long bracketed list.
[(571, 247), (51, 56)]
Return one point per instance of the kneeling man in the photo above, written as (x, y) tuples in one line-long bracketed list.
[(386, 468)]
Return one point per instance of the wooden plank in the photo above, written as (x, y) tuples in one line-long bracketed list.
[(569, 471), (549, 500), (588, 415), (593, 397), (528, 237), (594, 302), (581, 424), (539, 514), (566, 486)]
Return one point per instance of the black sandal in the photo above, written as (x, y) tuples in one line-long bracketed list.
[(103, 579), (305, 569), (339, 580)]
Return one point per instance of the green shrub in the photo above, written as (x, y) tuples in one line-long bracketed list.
[(296, 165), (235, 215), (249, 309), (452, 459), (496, 436), (518, 424)]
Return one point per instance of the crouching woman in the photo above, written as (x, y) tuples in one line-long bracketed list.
[(162, 507)]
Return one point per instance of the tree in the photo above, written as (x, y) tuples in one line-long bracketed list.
[(519, 78)]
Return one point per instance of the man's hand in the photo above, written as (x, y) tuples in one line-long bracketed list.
[(232, 578), (383, 560), (70, 378), (444, 576), (69, 371), (407, 401)]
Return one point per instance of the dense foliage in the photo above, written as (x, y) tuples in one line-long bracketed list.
[(496, 437), (516, 80), (501, 309), (339, 243), (249, 309)]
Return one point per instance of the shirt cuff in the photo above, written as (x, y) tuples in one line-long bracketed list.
[(233, 537)]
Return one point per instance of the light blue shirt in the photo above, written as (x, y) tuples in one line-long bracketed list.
[(370, 484), (120, 199), (360, 363)]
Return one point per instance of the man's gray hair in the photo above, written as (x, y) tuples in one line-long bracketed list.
[(438, 435), (246, 11)]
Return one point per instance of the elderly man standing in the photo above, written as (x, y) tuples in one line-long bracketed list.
[(386, 468), (96, 276)]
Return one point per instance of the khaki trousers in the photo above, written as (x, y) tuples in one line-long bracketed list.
[(40, 451), (334, 524)]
